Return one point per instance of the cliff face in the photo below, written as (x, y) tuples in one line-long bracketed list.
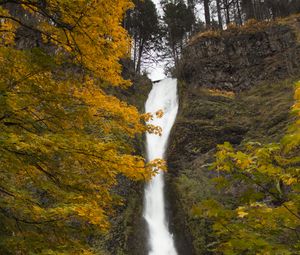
[(236, 86), (239, 58)]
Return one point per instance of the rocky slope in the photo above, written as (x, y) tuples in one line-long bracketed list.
[(235, 86)]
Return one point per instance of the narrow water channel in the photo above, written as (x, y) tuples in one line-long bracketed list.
[(163, 96)]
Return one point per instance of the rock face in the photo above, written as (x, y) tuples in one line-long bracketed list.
[(234, 88), (237, 58)]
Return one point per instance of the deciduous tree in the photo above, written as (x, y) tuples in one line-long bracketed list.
[(63, 139)]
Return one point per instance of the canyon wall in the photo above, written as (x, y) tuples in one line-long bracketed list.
[(235, 86)]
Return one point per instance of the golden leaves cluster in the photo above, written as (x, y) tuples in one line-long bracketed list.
[(64, 140)]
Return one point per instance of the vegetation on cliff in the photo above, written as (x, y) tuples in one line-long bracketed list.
[(208, 118), (261, 212), (234, 88)]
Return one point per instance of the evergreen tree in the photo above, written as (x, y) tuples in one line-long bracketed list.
[(179, 21), (206, 4), (143, 25)]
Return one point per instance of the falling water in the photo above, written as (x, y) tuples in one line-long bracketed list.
[(163, 96)]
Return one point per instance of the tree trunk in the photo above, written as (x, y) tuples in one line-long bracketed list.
[(252, 9), (227, 11), (220, 22), (207, 13), (191, 6), (140, 54), (239, 12), (134, 52)]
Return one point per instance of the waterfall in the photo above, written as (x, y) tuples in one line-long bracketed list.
[(163, 96)]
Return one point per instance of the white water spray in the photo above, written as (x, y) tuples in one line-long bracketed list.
[(163, 96)]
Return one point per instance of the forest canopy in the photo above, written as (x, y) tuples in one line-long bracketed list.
[(64, 140)]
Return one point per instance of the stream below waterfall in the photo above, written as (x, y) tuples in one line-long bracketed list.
[(163, 96)]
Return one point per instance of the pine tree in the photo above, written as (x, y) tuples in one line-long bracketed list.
[(179, 21), (143, 25)]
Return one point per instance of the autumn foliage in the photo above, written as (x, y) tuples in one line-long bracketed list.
[(64, 140)]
